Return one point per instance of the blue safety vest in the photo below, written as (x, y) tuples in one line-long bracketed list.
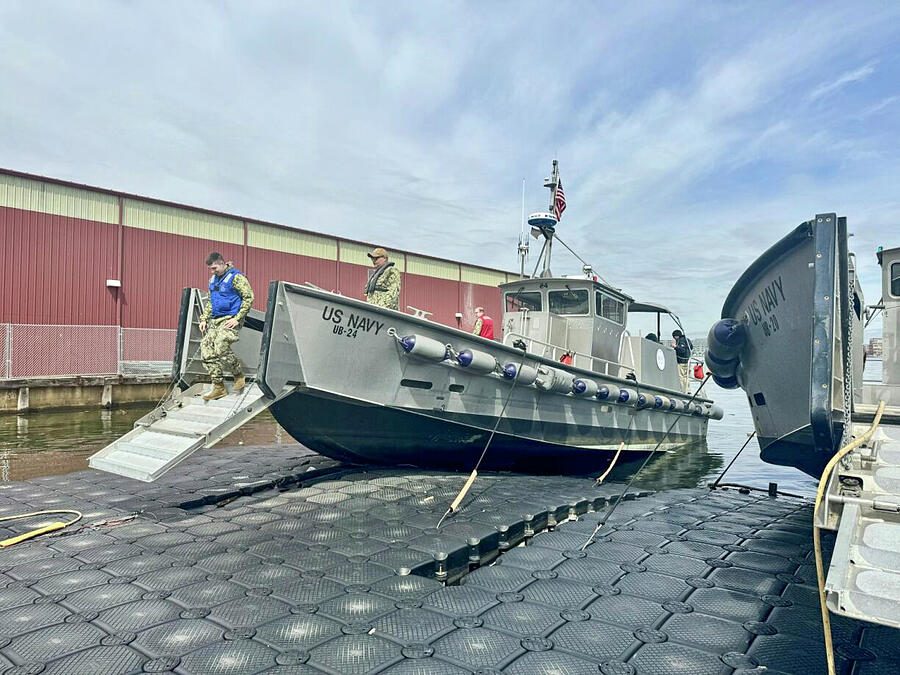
[(224, 299)]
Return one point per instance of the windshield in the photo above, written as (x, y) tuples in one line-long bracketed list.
[(519, 301), (568, 301)]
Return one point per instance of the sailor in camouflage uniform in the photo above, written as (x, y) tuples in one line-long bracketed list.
[(230, 299), (383, 288)]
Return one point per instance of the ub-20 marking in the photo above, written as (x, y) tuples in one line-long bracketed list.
[(350, 325), (761, 309)]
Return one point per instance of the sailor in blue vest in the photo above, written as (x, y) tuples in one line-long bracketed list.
[(230, 298)]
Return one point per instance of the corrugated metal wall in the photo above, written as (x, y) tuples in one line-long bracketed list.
[(57, 249), (59, 243), (156, 266)]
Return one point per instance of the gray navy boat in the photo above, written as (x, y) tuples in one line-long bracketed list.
[(358, 382), (791, 337)]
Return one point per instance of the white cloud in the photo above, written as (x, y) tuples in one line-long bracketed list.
[(847, 78)]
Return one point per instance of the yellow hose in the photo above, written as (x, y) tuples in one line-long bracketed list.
[(58, 525), (817, 542)]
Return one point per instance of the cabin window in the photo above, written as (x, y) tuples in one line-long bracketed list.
[(568, 301), (895, 279), (518, 301), (610, 308)]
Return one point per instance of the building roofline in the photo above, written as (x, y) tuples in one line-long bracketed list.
[(213, 212)]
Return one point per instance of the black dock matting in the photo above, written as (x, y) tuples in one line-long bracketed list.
[(277, 560)]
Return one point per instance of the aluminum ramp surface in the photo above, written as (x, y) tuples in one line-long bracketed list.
[(182, 425), (864, 575)]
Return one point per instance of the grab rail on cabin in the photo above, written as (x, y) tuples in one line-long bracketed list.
[(556, 351)]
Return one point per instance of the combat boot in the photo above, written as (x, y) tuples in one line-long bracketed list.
[(218, 391), (239, 382)]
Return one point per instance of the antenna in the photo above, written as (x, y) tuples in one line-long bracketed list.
[(523, 238)]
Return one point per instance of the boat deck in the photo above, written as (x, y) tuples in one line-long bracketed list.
[(294, 563)]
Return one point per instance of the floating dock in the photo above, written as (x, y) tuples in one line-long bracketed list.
[(293, 563)]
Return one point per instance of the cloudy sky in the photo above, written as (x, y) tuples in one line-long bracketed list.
[(690, 135)]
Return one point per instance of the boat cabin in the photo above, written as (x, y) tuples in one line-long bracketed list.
[(587, 320)]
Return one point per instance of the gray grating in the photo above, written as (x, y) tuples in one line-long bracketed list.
[(295, 580)]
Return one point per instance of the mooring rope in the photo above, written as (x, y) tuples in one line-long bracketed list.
[(714, 485), (472, 476), (619, 499)]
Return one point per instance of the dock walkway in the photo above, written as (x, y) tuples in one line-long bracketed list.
[(280, 561)]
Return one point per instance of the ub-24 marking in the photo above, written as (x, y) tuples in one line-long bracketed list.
[(350, 324)]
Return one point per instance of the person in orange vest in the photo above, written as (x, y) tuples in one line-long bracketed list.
[(484, 325)]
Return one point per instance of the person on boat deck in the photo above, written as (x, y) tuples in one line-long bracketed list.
[(652, 337), (484, 325), (383, 287), (566, 358), (229, 301), (683, 348)]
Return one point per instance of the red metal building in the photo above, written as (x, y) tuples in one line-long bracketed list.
[(64, 247)]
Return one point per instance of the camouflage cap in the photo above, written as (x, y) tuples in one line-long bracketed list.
[(377, 253)]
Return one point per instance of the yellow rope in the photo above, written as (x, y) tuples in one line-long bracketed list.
[(41, 530), (817, 542), (611, 464)]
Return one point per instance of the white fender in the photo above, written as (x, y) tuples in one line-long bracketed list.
[(477, 361), (553, 380), (583, 387), (527, 374), (424, 347), (608, 393), (627, 396)]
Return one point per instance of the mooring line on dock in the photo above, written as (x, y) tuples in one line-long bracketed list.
[(715, 484), (472, 476), (624, 442), (619, 499)]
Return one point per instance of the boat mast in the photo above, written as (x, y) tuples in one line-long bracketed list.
[(548, 229)]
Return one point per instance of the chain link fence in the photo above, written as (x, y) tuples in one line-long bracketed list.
[(42, 350), (146, 351)]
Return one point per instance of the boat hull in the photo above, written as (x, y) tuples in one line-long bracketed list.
[(789, 302), (384, 435), (356, 394)]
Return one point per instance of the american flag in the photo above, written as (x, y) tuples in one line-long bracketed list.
[(559, 201)]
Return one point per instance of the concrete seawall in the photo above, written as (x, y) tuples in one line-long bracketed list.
[(27, 395)]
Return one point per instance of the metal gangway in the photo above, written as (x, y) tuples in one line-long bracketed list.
[(183, 422)]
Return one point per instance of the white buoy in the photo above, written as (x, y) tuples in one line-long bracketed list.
[(627, 396), (527, 374), (583, 387), (424, 347), (553, 380), (714, 412), (477, 361), (608, 393)]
